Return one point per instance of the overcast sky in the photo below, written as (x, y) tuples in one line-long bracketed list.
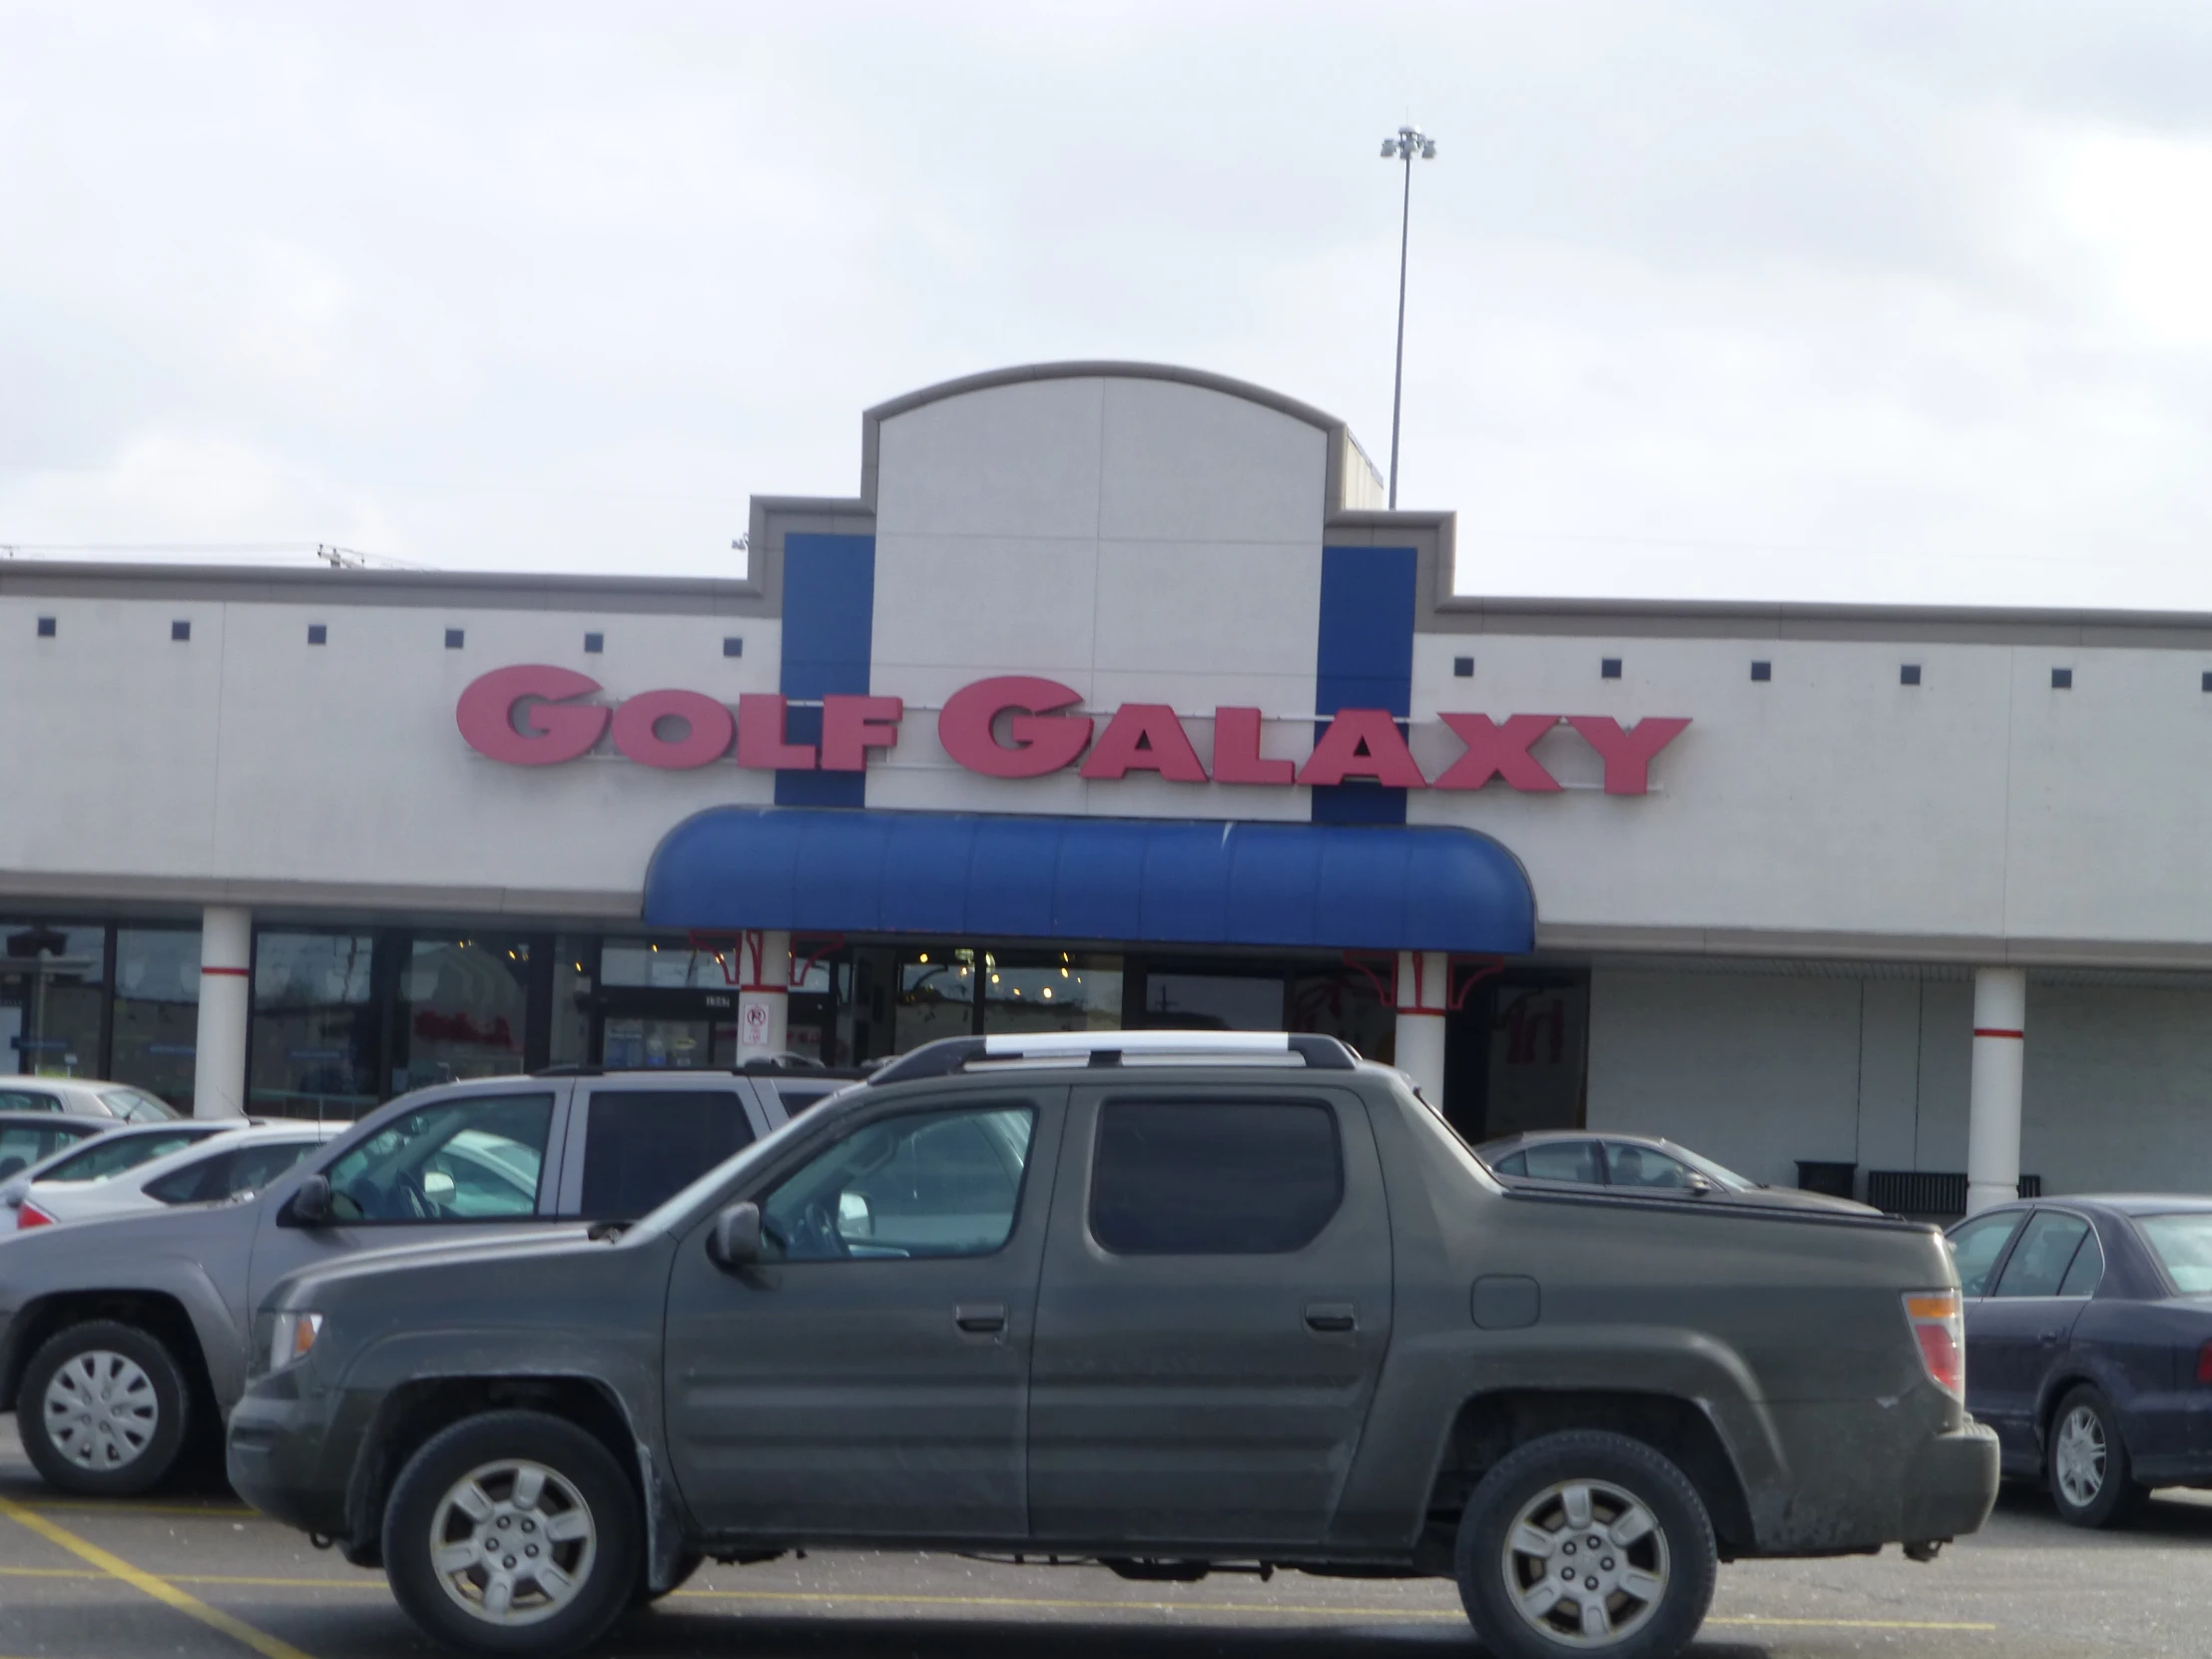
[(1873, 302)]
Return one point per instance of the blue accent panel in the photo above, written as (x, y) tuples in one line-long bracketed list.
[(1128, 881), (829, 639), (1366, 660)]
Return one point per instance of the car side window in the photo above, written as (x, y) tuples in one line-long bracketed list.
[(643, 1145), (28, 1100), (2044, 1252), (1574, 1161), (1213, 1178), (923, 1184), (112, 1155), (1628, 1165), (460, 1160), (22, 1146), (1975, 1247), (1514, 1164), (199, 1179), (2087, 1270)]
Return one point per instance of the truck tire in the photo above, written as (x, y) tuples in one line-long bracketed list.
[(1585, 1541), (103, 1410), (513, 1532), (2092, 1480)]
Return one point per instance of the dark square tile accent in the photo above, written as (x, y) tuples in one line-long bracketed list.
[(2208, 681), (46, 632), (1609, 668), (1910, 675), (454, 639), (732, 647), (319, 633), (1464, 666), (594, 644), (2061, 679), (179, 629), (1762, 670)]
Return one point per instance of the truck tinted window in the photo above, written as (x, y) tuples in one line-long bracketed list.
[(645, 1144), (1215, 1178)]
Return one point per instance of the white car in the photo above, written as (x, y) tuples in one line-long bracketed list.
[(241, 1160), (109, 1153), (86, 1097)]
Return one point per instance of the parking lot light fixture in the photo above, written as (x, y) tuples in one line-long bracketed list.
[(1411, 142)]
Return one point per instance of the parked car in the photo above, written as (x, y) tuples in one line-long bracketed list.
[(29, 1138), (83, 1097), (1640, 1164), (119, 1146), (155, 1304), (206, 1168), (1026, 1293), (2089, 1345)]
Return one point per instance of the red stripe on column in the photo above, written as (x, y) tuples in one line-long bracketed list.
[(242, 973), (2000, 1031)]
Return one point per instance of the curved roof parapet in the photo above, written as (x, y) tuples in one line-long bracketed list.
[(1132, 881), (1354, 481)]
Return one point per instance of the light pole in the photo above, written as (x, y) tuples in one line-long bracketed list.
[(1411, 142)]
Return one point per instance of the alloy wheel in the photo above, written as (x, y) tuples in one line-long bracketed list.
[(2078, 1457), (1587, 1564), (512, 1543)]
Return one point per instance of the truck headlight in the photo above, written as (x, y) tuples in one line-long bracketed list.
[(292, 1340)]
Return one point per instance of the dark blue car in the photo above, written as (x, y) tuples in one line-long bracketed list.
[(2089, 1345)]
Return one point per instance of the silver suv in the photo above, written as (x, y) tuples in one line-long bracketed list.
[(122, 1342)]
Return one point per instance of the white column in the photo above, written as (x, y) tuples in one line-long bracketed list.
[(1994, 1098), (225, 994), (764, 994), (1423, 998)]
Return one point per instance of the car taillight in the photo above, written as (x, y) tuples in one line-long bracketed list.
[(30, 1215), (1941, 1329), (2204, 1363)]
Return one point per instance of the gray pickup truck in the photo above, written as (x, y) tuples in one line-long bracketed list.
[(123, 1340), (1166, 1299)]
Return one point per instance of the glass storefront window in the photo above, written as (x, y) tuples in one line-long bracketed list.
[(1213, 1002), (157, 1011), (1051, 991), (665, 964), (575, 969), (1342, 1002), (314, 1047), (52, 986), (463, 1003), (935, 997)]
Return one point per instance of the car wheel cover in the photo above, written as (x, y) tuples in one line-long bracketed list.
[(2077, 1457), (100, 1411), (512, 1543), (1587, 1564)]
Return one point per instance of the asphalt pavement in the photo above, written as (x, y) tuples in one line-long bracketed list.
[(194, 1576)]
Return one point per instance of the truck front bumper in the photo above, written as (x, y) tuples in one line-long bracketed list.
[(278, 1457)]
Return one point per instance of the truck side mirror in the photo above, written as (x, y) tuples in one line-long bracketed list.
[(735, 1239), (309, 1205)]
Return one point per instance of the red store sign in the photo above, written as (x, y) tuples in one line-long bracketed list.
[(1019, 725)]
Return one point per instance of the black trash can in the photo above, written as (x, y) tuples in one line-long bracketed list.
[(1835, 1179)]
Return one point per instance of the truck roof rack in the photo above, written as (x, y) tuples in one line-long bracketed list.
[(797, 1068), (1110, 1048)]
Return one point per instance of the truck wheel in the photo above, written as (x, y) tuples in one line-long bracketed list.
[(1585, 1543), (103, 1408), (513, 1532), (2092, 1480)]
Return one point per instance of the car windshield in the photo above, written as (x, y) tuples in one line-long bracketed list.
[(2184, 1244), (133, 1107)]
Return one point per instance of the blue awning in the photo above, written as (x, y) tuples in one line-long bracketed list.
[(1133, 880)]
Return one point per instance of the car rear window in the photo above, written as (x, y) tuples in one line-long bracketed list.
[(644, 1144), (133, 1107), (1213, 1178), (113, 1154), (2184, 1244)]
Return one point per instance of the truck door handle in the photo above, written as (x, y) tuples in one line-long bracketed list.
[(981, 1318), (1332, 1318)]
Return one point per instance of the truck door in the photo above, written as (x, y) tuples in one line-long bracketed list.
[(1214, 1312), (869, 1376)]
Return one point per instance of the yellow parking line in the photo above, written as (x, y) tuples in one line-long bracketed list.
[(220, 1511), (269, 1647), (829, 1598)]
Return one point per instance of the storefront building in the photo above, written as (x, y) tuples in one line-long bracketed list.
[(1115, 697)]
